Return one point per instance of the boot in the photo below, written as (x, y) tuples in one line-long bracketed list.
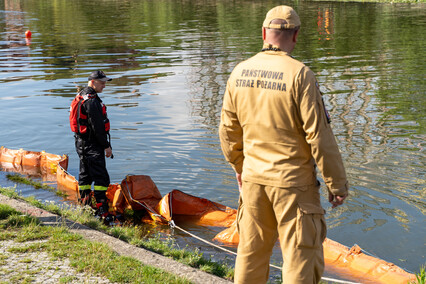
[(101, 209), (102, 213)]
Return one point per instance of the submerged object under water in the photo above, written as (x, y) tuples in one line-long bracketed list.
[(139, 192)]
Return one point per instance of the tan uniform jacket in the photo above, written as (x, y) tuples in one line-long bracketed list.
[(274, 127)]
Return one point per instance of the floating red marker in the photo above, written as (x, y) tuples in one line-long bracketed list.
[(28, 34)]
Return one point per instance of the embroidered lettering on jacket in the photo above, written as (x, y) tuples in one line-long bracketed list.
[(264, 79)]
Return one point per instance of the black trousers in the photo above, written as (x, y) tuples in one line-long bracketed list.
[(92, 166)]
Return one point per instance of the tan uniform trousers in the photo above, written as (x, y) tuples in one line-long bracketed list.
[(295, 216)]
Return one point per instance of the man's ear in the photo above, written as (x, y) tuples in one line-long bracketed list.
[(295, 35), (263, 33)]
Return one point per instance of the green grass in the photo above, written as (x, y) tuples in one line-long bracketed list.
[(379, 1), (67, 279), (38, 185), (139, 235), (421, 276), (85, 256)]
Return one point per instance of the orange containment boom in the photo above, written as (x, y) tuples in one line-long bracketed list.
[(139, 192), (365, 267), (32, 163)]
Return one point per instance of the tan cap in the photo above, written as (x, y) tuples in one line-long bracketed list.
[(284, 13)]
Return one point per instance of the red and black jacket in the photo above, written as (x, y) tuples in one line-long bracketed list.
[(93, 119)]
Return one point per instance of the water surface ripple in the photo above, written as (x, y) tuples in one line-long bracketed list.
[(170, 61)]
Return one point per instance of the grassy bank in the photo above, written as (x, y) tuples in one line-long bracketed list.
[(135, 235), (90, 257)]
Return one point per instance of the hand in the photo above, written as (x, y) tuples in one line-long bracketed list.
[(240, 183), (336, 200), (108, 152)]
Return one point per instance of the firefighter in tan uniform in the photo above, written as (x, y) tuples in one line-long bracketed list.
[(275, 131)]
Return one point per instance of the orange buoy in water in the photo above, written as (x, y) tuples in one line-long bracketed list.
[(28, 34)]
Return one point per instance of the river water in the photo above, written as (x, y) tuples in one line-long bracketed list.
[(170, 61)]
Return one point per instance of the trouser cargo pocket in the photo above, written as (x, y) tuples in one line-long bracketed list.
[(311, 229)]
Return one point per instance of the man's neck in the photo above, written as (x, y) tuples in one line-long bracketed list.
[(91, 89)]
